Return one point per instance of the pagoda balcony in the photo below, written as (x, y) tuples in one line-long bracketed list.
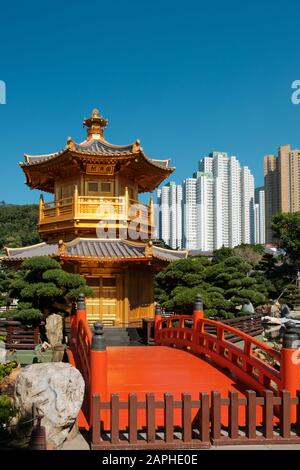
[(85, 214)]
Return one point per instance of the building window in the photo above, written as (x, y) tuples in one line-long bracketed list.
[(92, 187), (105, 187), (109, 282), (97, 188)]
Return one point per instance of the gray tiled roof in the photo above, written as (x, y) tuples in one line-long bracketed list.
[(94, 248), (168, 255), (42, 249), (100, 147), (104, 249)]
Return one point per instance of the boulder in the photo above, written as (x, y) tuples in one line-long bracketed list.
[(54, 329), (2, 352), (57, 390)]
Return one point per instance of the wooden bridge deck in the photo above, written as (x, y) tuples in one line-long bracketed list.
[(162, 369)]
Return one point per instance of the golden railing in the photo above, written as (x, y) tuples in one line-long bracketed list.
[(119, 209), (106, 208)]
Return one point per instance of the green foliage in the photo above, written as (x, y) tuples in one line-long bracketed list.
[(42, 287), (7, 411), (39, 264), (29, 314), (6, 368), (291, 296), (286, 227), (18, 225), (6, 277), (225, 282)]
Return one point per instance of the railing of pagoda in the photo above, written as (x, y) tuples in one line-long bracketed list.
[(96, 208), (252, 362)]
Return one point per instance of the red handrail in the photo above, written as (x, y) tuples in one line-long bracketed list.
[(248, 368)]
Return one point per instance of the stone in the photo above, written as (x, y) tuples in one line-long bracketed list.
[(248, 307), (294, 314), (54, 329), (275, 310), (2, 352), (57, 390), (271, 320)]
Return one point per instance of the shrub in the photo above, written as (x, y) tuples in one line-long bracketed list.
[(7, 411), (6, 368)]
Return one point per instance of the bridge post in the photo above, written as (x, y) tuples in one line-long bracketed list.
[(73, 323), (157, 317), (197, 315), (98, 366), (81, 309), (290, 362)]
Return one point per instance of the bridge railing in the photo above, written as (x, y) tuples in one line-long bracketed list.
[(88, 354), (273, 371), (195, 423)]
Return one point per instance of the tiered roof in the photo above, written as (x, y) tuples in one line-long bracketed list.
[(42, 170), (95, 249)]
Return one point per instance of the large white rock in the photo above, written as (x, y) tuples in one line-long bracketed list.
[(57, 389)]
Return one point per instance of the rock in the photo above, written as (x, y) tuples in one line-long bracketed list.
[(54, 329), (273, 332), (57, 390), (271, 320), (2, 352), (294, 314), (248, 307), (285, 311), (275, 310)]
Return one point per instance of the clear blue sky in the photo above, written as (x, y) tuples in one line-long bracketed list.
[(185, 77)]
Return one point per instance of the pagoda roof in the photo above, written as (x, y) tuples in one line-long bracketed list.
[(41, 169), (95, 249), (93, 147)]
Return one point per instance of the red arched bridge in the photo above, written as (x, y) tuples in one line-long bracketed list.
[(193, 388)]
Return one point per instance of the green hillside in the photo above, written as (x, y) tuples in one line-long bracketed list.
[(18, 225)]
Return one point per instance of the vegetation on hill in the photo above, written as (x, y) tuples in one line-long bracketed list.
[(18, 225)]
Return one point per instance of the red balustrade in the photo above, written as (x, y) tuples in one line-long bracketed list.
[(208, 338)]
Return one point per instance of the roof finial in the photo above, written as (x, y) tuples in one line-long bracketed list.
[(95, 125)]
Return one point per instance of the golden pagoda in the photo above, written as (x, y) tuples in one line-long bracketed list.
[(96, 226)]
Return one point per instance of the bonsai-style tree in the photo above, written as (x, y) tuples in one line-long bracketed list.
[(6, 277), (42, 287), (225, 282)]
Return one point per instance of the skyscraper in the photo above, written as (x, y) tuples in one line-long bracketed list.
[(260, 229), (189, 208), (204, 211), (217, 206), (282, 184), (232, 193), (169, 216)]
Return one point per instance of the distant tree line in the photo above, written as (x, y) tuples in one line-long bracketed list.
[(18, 225)]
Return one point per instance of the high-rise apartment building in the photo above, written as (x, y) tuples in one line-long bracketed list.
[(189, 209), (217, 206), (259, 216), (282, 184), (233, 199), (169, 214), (204, 211)]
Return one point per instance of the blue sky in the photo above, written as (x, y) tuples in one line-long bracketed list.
[(186, 78)]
